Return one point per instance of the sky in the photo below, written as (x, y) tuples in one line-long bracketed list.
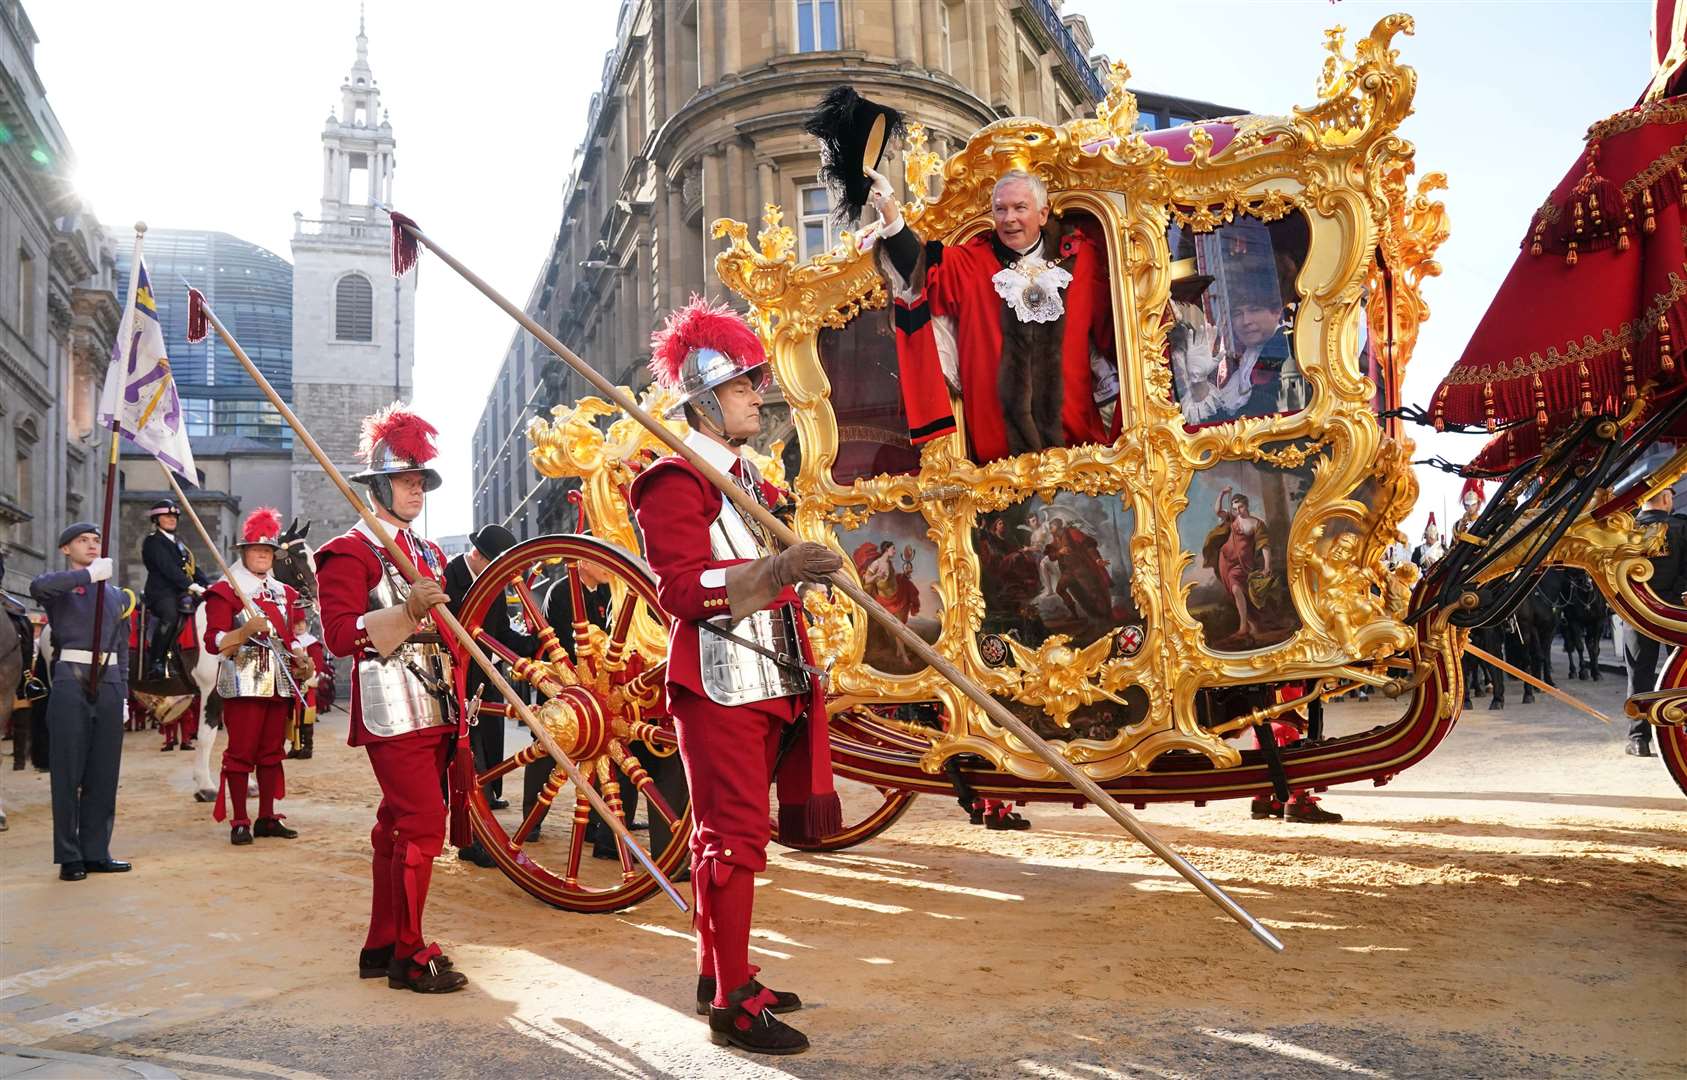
[(221, 130)]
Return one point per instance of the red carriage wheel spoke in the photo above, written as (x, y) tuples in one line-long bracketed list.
[(523, 668), (636, 772), (646, 732), (577, 841), (542, 804), (577, 594), (536, 619), (613, 657), (525, 758), (612, 795), (651, 678)]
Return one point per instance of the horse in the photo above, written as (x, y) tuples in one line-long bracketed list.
[(1523, 640), (1582, 615)]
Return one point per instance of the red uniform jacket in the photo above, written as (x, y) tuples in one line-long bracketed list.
[(222, 607), (958, 285), (675, 506), (348, 568)]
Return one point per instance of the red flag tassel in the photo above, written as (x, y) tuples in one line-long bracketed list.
[(197, 324), (404, 251)]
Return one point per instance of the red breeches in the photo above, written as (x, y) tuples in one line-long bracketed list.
[(257, 733), (729, 755), (409, 831)]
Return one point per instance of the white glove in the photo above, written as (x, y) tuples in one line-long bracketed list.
[(100, 569), (883, 198), (196, 589)]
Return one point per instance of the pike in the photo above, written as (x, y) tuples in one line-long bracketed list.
[(406, 235), (199, 314), (268, 641), (1489, 658)]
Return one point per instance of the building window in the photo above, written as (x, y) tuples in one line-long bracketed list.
[(943, 35), (354, 309), (816, 221), (26, 295), (817, 25)]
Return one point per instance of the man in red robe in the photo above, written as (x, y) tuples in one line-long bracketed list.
[(1018, 321), (257, 695), (408, 729), (739, 714)]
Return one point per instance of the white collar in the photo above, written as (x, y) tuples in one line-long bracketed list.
[(251, 584), (369, 534), (722, 458), (305, 640)]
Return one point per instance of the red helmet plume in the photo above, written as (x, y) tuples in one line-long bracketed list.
[(702, 325), (1473, 486), (400, 431), (263, 526)]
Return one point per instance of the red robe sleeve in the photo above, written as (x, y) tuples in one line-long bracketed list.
[(221, 609), (345, 573), (675, 507)]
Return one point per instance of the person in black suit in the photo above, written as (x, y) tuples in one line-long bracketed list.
[(1669, 580), (486, 738), (173, 584)]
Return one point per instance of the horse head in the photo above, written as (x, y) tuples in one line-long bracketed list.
[(295, 562)]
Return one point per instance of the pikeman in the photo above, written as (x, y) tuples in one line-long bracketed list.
[(400, 708), (258, 697), (740, 675), (173, 584)]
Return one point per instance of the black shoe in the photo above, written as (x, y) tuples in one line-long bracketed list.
[(273, 827), (108, 866), (204, 796), (186, 746), (72, 871), (532, 835), (373, 963), (608, 854), (1265, 807), (433, 977), (783, 1000), (1639, 748), (760, 1032), (975, 816), (1006, 820), (240, 835), (166, 748), (498, 804), (1309, 812), (476, 854)]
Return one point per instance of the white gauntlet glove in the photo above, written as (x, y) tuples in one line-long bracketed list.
[(100, 569)]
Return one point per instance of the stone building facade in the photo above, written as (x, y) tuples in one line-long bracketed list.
[(353, 322), (59, 310), (700, 117)]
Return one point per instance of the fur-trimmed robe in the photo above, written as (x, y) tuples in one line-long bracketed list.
[(951, 325)]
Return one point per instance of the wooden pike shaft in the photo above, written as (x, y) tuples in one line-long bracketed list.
[(445, 618), (890, 623), (1489, 658), (251, 609)]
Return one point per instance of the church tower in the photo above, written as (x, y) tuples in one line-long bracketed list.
[(353, 322)]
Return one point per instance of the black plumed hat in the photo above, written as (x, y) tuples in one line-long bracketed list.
[(853, 134)]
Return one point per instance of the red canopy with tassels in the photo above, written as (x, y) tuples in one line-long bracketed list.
[(1594, 312)]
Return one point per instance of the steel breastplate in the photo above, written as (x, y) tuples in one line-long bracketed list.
[(251, 672), (393, 692), (732, 674)]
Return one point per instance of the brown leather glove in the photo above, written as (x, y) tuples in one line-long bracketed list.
[(423, 596), (806, 561), (243, 633), (754, 585)]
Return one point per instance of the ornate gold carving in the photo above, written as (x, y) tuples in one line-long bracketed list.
[(1341, 165)]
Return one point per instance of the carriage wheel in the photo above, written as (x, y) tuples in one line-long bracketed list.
[(599, 707)]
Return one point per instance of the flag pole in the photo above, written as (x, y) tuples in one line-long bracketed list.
[(442, 615), (111, 471), (406, 234)]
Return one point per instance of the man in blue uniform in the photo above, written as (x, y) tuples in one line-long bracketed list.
[(86, 730), (173, 583)]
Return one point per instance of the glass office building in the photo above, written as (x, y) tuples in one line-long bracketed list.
[(252, 291)]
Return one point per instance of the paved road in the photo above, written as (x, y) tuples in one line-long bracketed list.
[(1512, 907)]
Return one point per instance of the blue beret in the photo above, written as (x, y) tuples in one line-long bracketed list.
[(71, 532)]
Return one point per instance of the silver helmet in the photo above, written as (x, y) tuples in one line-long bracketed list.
[(701, 347)]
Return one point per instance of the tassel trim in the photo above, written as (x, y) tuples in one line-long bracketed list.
[(198, 325), (405, 251)]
